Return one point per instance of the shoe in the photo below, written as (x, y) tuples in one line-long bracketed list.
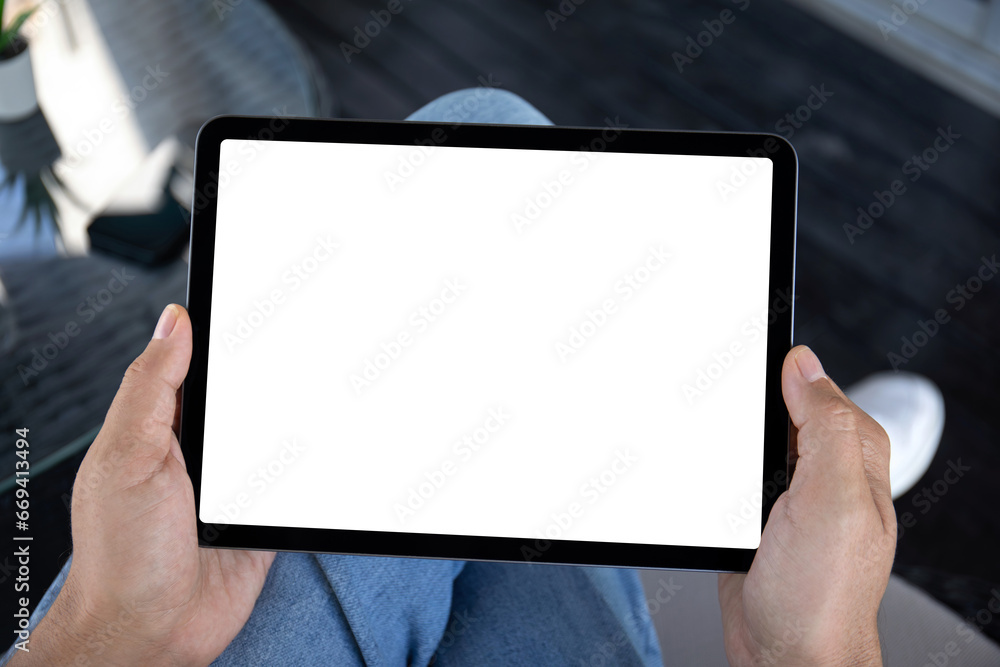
[(911, 410)]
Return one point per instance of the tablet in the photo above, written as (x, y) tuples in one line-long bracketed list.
[(512, 343)]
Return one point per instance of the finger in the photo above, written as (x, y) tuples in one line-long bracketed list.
[(142, 414), (830, 460), (822, 398)]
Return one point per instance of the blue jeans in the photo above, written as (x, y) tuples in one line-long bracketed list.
[(318, 609)]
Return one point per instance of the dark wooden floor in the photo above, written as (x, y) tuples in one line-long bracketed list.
[(856, 300)]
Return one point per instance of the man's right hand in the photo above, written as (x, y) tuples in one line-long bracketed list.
[(813, 592)]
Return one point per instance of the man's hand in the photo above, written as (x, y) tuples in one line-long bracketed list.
[(139, 590), (812, 594)]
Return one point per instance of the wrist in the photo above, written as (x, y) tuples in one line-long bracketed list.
[(72, 634), (859, 649), (868, 650)]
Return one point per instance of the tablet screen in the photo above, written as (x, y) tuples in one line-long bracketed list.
[(486, 341)]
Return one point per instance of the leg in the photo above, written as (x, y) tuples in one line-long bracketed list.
[(42, 608), (323, 609), (519, 613), (340, 610), (481, 105), (464, 613), (319, 609), (532, 614)]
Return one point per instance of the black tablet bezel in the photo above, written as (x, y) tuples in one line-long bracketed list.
[(199, 301)]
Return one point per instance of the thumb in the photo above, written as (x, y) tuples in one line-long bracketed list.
[(142, 415), (809, 393), (833, 433)]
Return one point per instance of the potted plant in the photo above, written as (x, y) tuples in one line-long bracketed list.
[(17, 101), (17, 84), (27, 147)]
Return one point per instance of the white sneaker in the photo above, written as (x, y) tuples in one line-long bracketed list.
[(911, 410)]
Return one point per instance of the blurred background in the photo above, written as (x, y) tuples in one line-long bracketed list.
[(95, 166)]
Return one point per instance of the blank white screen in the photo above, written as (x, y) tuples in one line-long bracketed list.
[(602, 443)]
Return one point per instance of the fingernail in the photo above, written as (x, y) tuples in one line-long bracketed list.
[(167, 321), (809, 365)]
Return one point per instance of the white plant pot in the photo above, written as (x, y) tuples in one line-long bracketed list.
[(17, 87)]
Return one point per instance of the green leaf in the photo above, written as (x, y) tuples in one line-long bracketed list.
[(39, 207), (10, 32), (19, 21)]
